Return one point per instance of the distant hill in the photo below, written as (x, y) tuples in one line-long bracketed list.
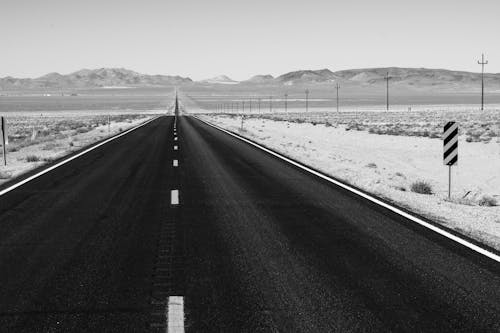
[(260, 79), (307, 76), (406, 78), (416, 78), (87, 78), (221, 79)]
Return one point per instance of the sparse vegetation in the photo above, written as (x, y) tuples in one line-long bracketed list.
[(488, 201), (476, 127), (421, 187), (5, 175), (461, 201), (32, 158)]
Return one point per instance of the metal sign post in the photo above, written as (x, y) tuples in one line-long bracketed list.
[(450, 155), (3, 129)]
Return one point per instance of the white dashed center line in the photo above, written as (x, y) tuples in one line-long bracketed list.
[(175, 139), (174, 197), (175, 147), (175, 314), (175, 163)]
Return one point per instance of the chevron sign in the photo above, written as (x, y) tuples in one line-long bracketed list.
[(450, 141)]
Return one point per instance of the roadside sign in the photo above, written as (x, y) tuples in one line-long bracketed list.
[(450, 145), (450, 142)]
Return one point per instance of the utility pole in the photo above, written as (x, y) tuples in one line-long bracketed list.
[(387, 89), (286, 103), (338, 87), (307, 100), (482, 63)]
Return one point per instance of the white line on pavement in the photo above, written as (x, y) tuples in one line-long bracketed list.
[(175, 163), (174, 197), (175, 314)]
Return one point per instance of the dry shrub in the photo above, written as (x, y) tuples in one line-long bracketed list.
[(5, 175), (488, 201), (421, 187), (32, 158)]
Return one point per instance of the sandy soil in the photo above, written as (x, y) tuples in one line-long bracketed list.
[(387, 165)]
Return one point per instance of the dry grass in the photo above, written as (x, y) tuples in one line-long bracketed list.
[(421, 187), (5, 175), (26, 131), (488, 201), (32, 158)]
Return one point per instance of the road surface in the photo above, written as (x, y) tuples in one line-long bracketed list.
[(254, 245)]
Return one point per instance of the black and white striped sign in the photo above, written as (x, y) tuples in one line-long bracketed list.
[(450, 140)]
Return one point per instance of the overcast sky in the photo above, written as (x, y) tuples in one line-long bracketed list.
[(203, 38)]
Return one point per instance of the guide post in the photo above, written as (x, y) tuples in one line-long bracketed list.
[(450, 155), (3, 130)]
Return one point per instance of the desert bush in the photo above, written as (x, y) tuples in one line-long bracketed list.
[(32, 158), (50, 146), (82, 130), (5, 175), (488, 201), (421, 187), (371, 165), (461, 201)]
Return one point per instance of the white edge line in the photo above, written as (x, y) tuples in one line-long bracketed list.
[(30, 178), (428, 225), (175, 314)]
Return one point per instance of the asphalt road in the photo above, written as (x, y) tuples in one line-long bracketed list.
[(255, 245)]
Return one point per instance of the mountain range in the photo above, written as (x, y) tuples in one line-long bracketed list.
[(412, 78)]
